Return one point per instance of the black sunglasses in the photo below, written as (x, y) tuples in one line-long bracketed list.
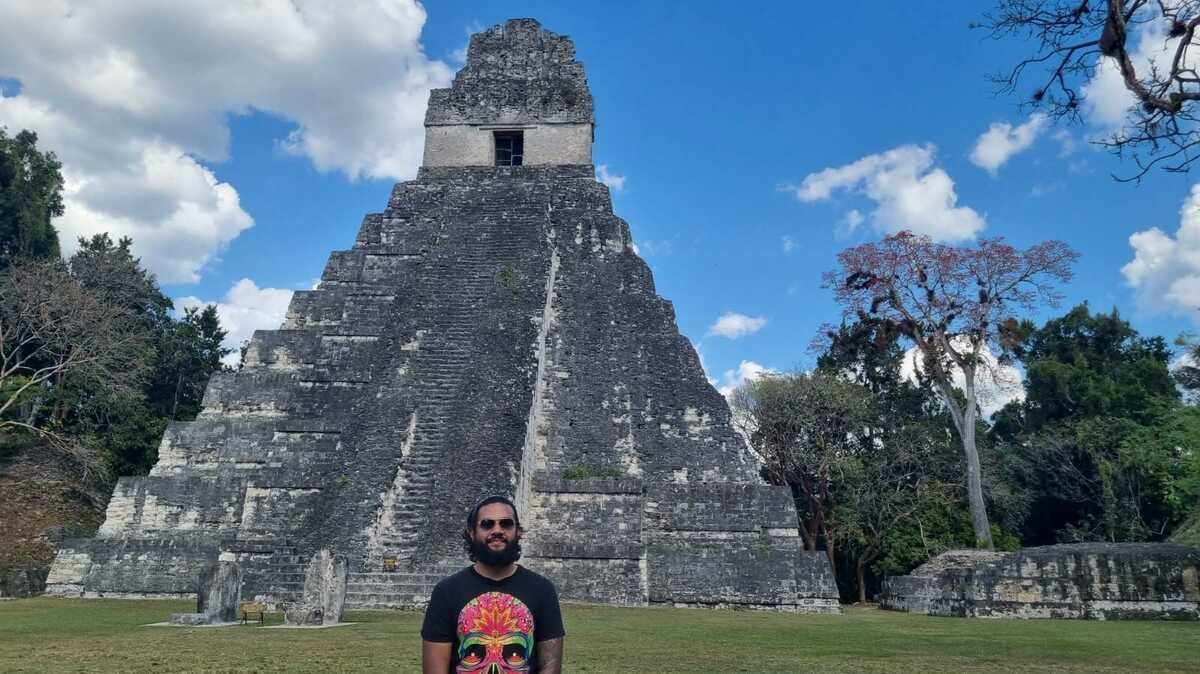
[(506, 524)]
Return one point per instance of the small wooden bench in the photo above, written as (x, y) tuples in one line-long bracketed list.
[(249, 608)]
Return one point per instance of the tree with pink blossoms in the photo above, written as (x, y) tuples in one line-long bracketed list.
[(956, 305)]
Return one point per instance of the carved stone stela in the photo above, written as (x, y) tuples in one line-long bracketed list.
[(491, 331)]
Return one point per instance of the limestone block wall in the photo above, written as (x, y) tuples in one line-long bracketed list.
[(163, 566), (473, 145), (1094, 580)]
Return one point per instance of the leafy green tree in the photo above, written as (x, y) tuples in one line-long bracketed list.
[(176, 356), (110, 270), (908, 471), (1082, 450), (1088, 365), (188, 351), (806, 427), (30, 195)]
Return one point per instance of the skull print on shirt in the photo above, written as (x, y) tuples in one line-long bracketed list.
[(495, 635)]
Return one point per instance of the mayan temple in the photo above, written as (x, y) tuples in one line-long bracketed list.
[(491, 331)]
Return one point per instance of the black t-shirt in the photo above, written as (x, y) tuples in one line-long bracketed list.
[(493, 622)]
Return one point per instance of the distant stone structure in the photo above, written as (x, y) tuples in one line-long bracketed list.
[(324, 595), (491, 331), (217, 593), (1090, 580)]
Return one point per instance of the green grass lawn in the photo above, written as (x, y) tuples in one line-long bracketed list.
[(61, 635)]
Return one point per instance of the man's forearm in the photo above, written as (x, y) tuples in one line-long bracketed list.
[(549, 655), (435, 657)]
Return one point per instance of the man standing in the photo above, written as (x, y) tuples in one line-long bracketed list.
[(495, 616)]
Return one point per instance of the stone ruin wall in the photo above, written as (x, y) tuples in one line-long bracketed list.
[(1089, 580)]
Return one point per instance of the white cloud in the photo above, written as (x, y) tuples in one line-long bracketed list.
[(747, 370), (996, 385), (654, 247), (1165, 271), (734, 325), (1002, 141), (1066, 143), (615, 182), (852, 220), (134, 97), (908, 191), (245, 308), (789, 244)]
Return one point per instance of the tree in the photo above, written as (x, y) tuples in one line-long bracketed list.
[(110, 270), (955, 305), (1187, 373), (30, 195), (806, 427), (905, 465), (178, 356), (1074, 38), (888, 482), (1092, 446), (51, 326), (188, 352), (1087, 365)]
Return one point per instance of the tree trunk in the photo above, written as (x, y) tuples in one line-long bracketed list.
[(979, 517), (806, 536), (60, 405), (175, 400), (964, 421), (829, 552), (860, 578)]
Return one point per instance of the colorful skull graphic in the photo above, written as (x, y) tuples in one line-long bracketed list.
[(495, 635)]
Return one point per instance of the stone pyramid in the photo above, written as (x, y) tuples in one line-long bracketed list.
[(491, 331)]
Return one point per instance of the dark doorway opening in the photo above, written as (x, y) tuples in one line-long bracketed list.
[(510, 148)]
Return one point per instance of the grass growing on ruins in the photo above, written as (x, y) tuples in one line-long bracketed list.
[(56, 635)]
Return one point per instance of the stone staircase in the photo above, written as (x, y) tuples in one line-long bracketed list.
[(390, 589), (456, 288)]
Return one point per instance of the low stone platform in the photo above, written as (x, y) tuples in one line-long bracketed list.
[(1098, 581)]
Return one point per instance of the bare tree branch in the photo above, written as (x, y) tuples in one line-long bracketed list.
[(1072, 39)]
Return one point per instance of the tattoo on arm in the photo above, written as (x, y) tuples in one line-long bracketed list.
[(549, 655)]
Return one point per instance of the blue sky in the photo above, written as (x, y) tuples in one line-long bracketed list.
[(750, 142)]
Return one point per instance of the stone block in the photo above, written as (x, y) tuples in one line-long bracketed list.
[(324, 596), (189, 619), (220, 592), (1101, 581)]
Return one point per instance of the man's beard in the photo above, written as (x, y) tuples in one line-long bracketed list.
[(503, 557)]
